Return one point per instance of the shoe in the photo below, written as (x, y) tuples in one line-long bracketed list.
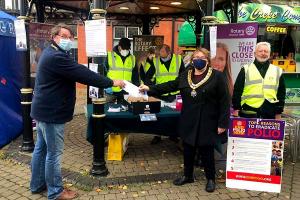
[(183, 180), (156, 140), (67, 194), (210, 186), (43, 189)]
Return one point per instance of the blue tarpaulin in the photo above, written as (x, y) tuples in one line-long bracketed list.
[(10, 82)]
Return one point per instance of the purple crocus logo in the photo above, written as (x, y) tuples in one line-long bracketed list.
[(250, 30)]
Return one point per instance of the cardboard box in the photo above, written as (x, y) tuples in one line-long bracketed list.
[(137, 105)]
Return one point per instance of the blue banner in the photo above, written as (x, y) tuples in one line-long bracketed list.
[(7, 27)]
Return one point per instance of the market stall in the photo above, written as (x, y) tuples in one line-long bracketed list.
[(10, 82)]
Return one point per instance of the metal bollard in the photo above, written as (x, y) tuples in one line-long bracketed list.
[(99, 165)]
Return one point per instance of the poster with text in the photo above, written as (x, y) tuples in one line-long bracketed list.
[(240, 40), (21, 42), (40, 37), (145, 44), (95, 31), (255, 154)]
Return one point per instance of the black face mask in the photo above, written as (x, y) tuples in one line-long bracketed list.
[(199, 63)]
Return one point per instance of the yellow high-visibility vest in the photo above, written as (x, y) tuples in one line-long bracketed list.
[(146, 66), (162, 75), (257, 89), (119, 70)]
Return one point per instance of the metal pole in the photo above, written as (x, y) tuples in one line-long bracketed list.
[(146, 25), (99, 165), (26, 91), (40, 10), (198, 30), (235, 12), (209, 9), (173, 35)]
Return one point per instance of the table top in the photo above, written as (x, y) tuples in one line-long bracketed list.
[(164, 112)]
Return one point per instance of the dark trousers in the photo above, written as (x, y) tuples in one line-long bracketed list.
[(207, 158)]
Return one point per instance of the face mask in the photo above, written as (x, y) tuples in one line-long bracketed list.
[(124, 53), (199, 63), (166, 58), (65, 44)]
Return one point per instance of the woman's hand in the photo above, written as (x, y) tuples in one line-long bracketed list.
[(143, 88), (221, 130)]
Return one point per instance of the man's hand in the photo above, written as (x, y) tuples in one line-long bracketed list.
[(235, 113), (119, 83), (278, 116), (221, 130), (143, 88)]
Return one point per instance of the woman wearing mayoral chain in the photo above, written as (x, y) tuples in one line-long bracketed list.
[(205, 113)]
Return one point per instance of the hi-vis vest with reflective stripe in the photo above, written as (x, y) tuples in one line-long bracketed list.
[(146, 66), (257, 89), (162, 74), (119, 70)]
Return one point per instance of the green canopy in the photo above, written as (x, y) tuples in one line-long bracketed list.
[(186, 36)]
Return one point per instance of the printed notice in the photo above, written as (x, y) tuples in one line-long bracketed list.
[(255, 154), (95, 32), (21, 42)]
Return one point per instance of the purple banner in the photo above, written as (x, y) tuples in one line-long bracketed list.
[(245, 30), (267, 129)]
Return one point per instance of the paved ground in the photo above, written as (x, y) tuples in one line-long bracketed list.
[(146, 172)]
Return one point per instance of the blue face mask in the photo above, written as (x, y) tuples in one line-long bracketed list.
[(65, 44), (199, 63)]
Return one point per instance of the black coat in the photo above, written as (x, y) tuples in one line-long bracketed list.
[(55, 91), (203, 114)]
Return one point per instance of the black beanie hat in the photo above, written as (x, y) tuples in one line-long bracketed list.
[(124, 43)]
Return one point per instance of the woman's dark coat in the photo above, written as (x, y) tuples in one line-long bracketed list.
[(201, 115)]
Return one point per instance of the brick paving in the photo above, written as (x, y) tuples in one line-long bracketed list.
[(146, 172)]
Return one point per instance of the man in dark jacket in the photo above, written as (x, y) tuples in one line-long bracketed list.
[(53, 106), (259, 90)]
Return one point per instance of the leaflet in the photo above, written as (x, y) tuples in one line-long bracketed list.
[(133, 90)]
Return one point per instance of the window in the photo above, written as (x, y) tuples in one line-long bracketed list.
[(123, 31), (120, 32), (132, 31)]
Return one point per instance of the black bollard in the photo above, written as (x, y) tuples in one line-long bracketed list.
[(99, 168), (26, 95)]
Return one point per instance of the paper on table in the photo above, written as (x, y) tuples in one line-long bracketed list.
[(110, 109), (134, 90)]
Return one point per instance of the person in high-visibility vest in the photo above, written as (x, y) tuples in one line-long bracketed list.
[(121, 64), (145, 64), (166, 67), (259, 90)]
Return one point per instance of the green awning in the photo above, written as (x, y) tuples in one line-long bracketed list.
[(186, 36)]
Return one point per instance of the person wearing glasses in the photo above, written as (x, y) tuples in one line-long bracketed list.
[(205, 113), (53, 105)]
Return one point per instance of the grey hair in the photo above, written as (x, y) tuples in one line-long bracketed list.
[(267, 44), (56, 29)]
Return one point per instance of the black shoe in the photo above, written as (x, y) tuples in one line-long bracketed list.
[(210, 186), (183, 180), (41, 190), (156, 140)]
